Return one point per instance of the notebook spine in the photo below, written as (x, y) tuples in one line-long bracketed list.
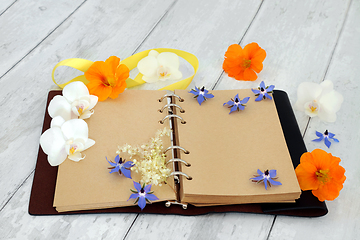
[(171, 107)]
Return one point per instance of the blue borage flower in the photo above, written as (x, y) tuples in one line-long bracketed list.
[(142, 195), (262, 91), (201, 94), (326, 136), (267, 177), (121, 166), (237, 103)]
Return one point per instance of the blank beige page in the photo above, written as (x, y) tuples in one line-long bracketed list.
[(227, 149), (132, 118)]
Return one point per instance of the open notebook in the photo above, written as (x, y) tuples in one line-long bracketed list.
[(225, 151)]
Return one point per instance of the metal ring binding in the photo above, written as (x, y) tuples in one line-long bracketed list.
[(178, 160), (171, 104), (177, 147), (181, 173), (168, 204), (170, 116), (171, 95)]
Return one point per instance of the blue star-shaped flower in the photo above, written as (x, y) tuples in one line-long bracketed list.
[(142, 195), (121, 166), (237, 103), (267, 177), (326, 136), (201, 94), (262, 91)]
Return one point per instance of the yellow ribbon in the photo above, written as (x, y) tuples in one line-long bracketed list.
[(131, 62)]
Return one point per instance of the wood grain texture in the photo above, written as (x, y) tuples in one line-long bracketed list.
[(78, 36), (5, 5), (302, 43), (23, 27), (342, 221)]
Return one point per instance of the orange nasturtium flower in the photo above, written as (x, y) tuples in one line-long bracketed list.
[(320, 172), (242, 63), (107, 79)]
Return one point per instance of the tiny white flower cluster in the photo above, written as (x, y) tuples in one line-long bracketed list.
[(149, 159)]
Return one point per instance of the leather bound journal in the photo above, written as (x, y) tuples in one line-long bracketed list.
[(213, 155)]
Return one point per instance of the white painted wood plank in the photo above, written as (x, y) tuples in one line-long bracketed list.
[(5, 4), (210, 226), (96, 31), (26, 23), (298, 39), (16, 223), (342, 221)]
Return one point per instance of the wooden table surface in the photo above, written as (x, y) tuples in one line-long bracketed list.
[(305, 41)]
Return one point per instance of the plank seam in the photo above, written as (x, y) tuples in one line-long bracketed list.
[(8, 8), (43, 39), (127, 232), (247, 29), (16, 190), (337, 40), (155, 25), (272, 225)]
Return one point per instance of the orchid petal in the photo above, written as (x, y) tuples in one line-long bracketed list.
[(331, 102), (86, 114), (148, 66), (74, 129), (76, 156), (307, 92), (93, 101), (75, 90), (175, 73), (154, 53), (169, 59), (57, 121), (327, 86), (52, 143), (59, 106), (89, 143)]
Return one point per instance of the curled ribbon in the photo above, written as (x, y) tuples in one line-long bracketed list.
[(131, 62)]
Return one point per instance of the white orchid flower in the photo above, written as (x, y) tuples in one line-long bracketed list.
[(159, 66), (76, 102), (319, 100), (65, 139)]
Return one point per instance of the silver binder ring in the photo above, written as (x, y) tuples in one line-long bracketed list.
[(170, 116), (176, 173), (171, 104), (178, 160), (177, 147), (171, 95)]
